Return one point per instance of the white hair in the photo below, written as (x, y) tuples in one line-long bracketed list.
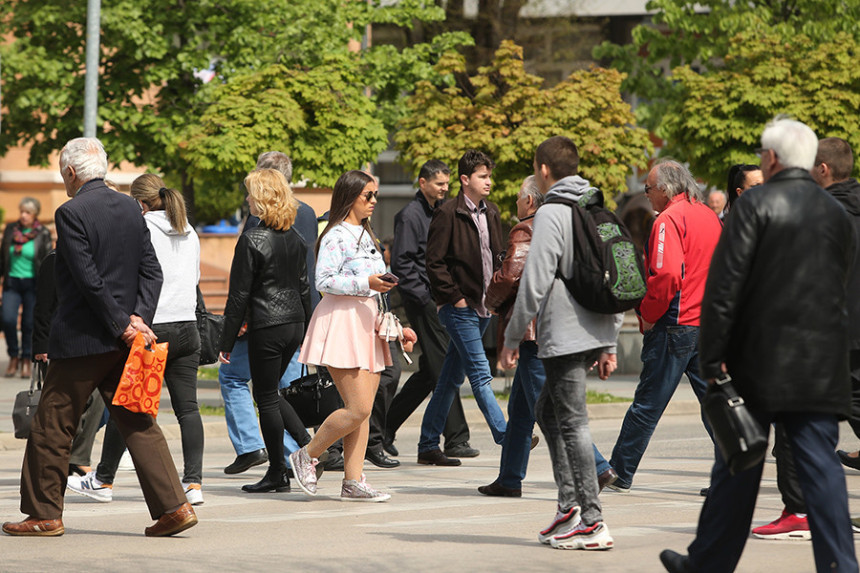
[(530, 189), (87, 157), (674, 179), (793, 142)]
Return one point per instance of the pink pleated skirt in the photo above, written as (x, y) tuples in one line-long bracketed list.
[(342, 334)]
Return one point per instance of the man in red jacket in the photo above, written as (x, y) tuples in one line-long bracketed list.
[(677, 257)]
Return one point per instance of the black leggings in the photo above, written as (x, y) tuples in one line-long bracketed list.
[(269, 352)]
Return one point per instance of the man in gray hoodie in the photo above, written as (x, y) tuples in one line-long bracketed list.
[(571, 340)]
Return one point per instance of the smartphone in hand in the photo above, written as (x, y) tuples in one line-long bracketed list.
[(389, 278)]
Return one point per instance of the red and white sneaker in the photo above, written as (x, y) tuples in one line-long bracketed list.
[(787, 526), (589, 537), (563, 522)]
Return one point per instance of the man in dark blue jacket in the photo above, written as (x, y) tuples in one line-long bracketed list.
[(108, 282), (407, 262)]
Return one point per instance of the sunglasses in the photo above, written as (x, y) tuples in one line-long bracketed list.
[(371, 195)]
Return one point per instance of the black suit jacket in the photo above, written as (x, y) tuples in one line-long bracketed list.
[(106, 270)]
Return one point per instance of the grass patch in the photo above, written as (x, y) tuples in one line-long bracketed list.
[(592, 397), (207, 373), (211, 410)]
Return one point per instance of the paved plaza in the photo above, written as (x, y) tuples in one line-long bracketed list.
[(436, 520)]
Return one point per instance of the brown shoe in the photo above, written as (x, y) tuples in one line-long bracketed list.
[(437, 458), (13, 367), (606, 478), (35, 527), (25, 368), (173, 522), (496, 489)]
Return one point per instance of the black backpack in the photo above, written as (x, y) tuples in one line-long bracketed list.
[(608, 275)]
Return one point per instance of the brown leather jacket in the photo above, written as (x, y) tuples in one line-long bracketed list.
[(506, 281)]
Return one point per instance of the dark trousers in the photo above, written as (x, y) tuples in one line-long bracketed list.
[(269, 352), (786, 471), (388, 381), (180, 378), (82, 446), (67, 388), (19, 294), (434, 344), (726, 515)]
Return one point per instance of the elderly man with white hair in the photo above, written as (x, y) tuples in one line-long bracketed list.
[(677, 258), (775, 318), (108, 282)]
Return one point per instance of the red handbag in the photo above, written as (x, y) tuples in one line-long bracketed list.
[(139, 389)]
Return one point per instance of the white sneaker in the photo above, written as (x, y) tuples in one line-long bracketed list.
[(193, 493), (563, 522), (90, 486), (588, 537), (125, 463)]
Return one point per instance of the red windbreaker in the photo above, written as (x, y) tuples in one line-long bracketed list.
[(677, 258)]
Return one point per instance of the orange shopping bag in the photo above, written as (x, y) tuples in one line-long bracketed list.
[(139, 389)]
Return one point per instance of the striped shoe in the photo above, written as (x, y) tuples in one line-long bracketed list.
[(588, 537)]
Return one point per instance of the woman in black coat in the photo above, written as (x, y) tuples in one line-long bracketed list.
[(269, 289)]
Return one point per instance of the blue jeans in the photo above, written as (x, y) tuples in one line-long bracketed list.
[(239, 411), (465, 357), (528, 382), (667, 353), (17, 293)]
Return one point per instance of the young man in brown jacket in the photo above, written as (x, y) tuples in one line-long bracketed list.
[(463, 246)]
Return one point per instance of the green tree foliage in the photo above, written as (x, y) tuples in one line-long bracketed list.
[(154, 110), (699, 34), (505, 112), (715, 119)]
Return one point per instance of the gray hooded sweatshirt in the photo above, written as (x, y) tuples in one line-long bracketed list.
[(563, 325)]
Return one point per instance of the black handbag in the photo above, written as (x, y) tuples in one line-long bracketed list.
[(313, 396), (26, 402), (741, 439), (209, 326)]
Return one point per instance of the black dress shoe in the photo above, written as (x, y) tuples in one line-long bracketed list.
[(463, 450), (848, 461), (675, 562), (244, 462), (380, 460), (498, 490), (388, 445), (436, 458), (279, 483)]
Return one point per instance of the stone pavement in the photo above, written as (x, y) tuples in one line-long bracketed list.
[(436, 520)]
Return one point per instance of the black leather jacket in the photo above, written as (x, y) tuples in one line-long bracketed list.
[(775, 303), (268, 282)]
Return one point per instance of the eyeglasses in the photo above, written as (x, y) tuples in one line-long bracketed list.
[(760, 150), (371, 195), (649, 187)]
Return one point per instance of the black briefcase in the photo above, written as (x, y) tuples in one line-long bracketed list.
[(313, 396), (26, 401), (741, 439)]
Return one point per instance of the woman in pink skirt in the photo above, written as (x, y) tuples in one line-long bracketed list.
[(342, 333)]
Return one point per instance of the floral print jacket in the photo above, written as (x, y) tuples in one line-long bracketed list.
[(347, 257)]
